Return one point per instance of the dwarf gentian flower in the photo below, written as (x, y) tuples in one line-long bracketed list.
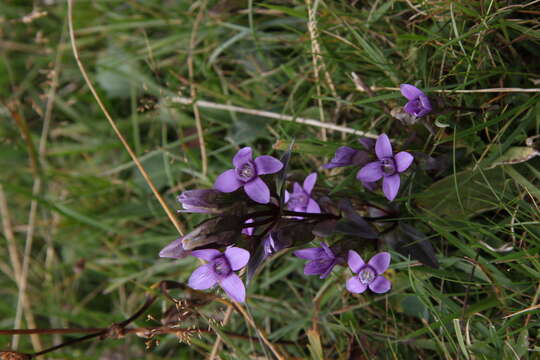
[(220, 270), (387, 167), (368, 275), (300, 199), (418, 104), (246, 174), (199, 200), (322, 260), (346, 156)]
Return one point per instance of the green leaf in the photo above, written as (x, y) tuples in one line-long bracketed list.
[(516, 155), (464, 194), (412, 306)]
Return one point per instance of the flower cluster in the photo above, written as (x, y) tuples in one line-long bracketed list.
[(255, 216)]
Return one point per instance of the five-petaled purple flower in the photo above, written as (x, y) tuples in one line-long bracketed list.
[(300, 199), (322, 260), (368, 275), (246, 174), (418, 104), (387, 167), (220, 269)]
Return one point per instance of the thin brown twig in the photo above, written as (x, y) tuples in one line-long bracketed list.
[(17, 271), (193, 88), (272, 115), (177, 224)]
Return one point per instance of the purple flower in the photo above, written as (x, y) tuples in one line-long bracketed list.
[(322, 259), (220, 269), (368, 275), (387, 167), (174, 250), (300, 199), (246, 174), (199, 200), (418, 104), (346, 156)]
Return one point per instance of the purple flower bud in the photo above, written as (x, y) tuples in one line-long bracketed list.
[(387, 167), (223, 230), (246, 174), (220, 270), (174, 250), (347, 156), (368, 275), (200, 200), (418, 104), (322, 260)]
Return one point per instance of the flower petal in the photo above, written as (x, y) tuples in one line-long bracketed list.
[(227, 182), (297, 188), (390, 186), (412, 108), (313, 207), (309, 253), (383, 148), (370, 172), (309, 182), (409, 91), (242, 156), (426, 104), (234, 287), (380, 262), (343, 157), (174, 250), (380, 285), (327, 251), (287, 196), (355, 286), (238, 257), (206, 254), (319, 266), (355, 261), (403, 160), (325, 274), (202, 278), (258, 191), (267, 165)]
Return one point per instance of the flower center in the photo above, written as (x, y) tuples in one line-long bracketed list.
[(366, 275), (298, 200), (246, 171), (388, 166), (221, 266)]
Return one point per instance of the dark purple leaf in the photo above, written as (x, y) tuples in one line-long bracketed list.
[(354, 224), (409, 241)]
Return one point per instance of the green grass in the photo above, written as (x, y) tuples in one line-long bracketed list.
[(98, 228)]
